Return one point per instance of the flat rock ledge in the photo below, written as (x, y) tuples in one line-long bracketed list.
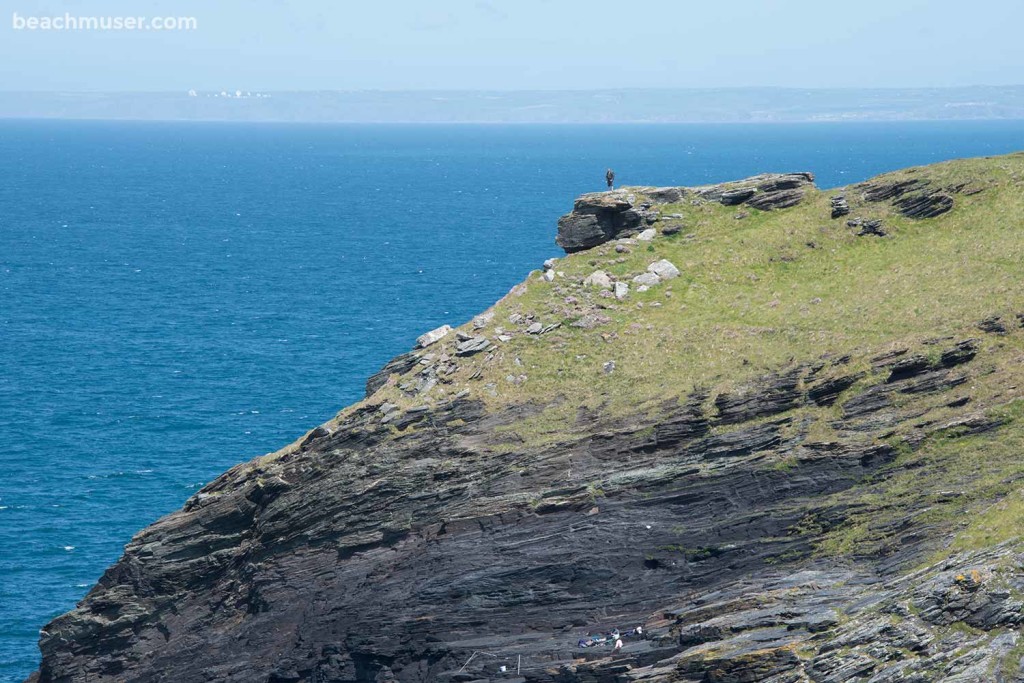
[(599, 217)]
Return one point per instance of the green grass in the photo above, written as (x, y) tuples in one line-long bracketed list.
[(984, 472), (757, 292)]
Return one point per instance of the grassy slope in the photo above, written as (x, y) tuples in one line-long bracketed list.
[(760, 292)]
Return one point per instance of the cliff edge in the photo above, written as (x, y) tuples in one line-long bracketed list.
[(777, 429)]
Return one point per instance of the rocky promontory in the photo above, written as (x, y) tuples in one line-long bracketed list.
[(731, 427)]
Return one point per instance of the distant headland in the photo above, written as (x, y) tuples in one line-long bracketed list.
[(718, 105)]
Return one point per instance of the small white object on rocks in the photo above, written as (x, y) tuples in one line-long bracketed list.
[(428, 338), (621, 290), (550, 263), (647, 235), (664, 269), (598, 278), (647, 279)]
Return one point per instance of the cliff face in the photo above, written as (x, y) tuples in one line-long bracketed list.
[(786, 446)]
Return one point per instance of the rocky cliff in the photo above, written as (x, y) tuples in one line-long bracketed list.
[(778, 429)]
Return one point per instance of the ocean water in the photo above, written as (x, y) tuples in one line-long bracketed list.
[(176, 298)]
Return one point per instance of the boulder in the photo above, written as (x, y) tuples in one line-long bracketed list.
[(435, 335), (472, 346), (647, 235), (664, 269), (621, 290), (647, 279), (599, 279), (595, 219)]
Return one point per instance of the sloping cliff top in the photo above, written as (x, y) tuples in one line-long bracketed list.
[(776, 427)]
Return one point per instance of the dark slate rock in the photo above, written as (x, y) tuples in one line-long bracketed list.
[(472, 346), (840, 207), (962, 352), (768, 396), (780, 199), (826, 392), (597, 218), (939, 380), (869, 401), (737, 196), (924, 205), (871, 227), (399, 365), (743, 441), (880, 190), (666, 195), (993, 325), (785, 181)]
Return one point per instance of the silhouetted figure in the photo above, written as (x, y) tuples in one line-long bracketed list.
[(609, 177)]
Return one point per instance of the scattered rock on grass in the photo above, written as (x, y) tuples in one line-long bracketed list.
[(472, 346), (993, 325), (647, 279), (840, 207), (598, 278), (428, 338), (664, 269)]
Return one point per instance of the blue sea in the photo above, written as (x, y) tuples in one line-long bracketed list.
[(179, 297)]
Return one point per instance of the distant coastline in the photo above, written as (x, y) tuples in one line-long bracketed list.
[(621, 106)]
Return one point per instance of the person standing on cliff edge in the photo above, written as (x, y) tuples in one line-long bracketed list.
[(609, 177)]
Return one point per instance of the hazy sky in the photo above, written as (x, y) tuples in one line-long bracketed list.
[(519, 44)]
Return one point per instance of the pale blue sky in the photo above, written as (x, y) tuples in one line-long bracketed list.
[(521, 44)]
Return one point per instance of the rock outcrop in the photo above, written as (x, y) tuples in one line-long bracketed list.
[(600, 217)]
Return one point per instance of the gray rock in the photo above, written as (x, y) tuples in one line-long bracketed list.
[(428, 338), (779, 199), (927, 205), (399, 365), (535, 328), (840, 207), (871, 227), (599, 279), (664, 269), (621, 290), (647, 235), (737, 196), (472, 346), (647, 279)]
